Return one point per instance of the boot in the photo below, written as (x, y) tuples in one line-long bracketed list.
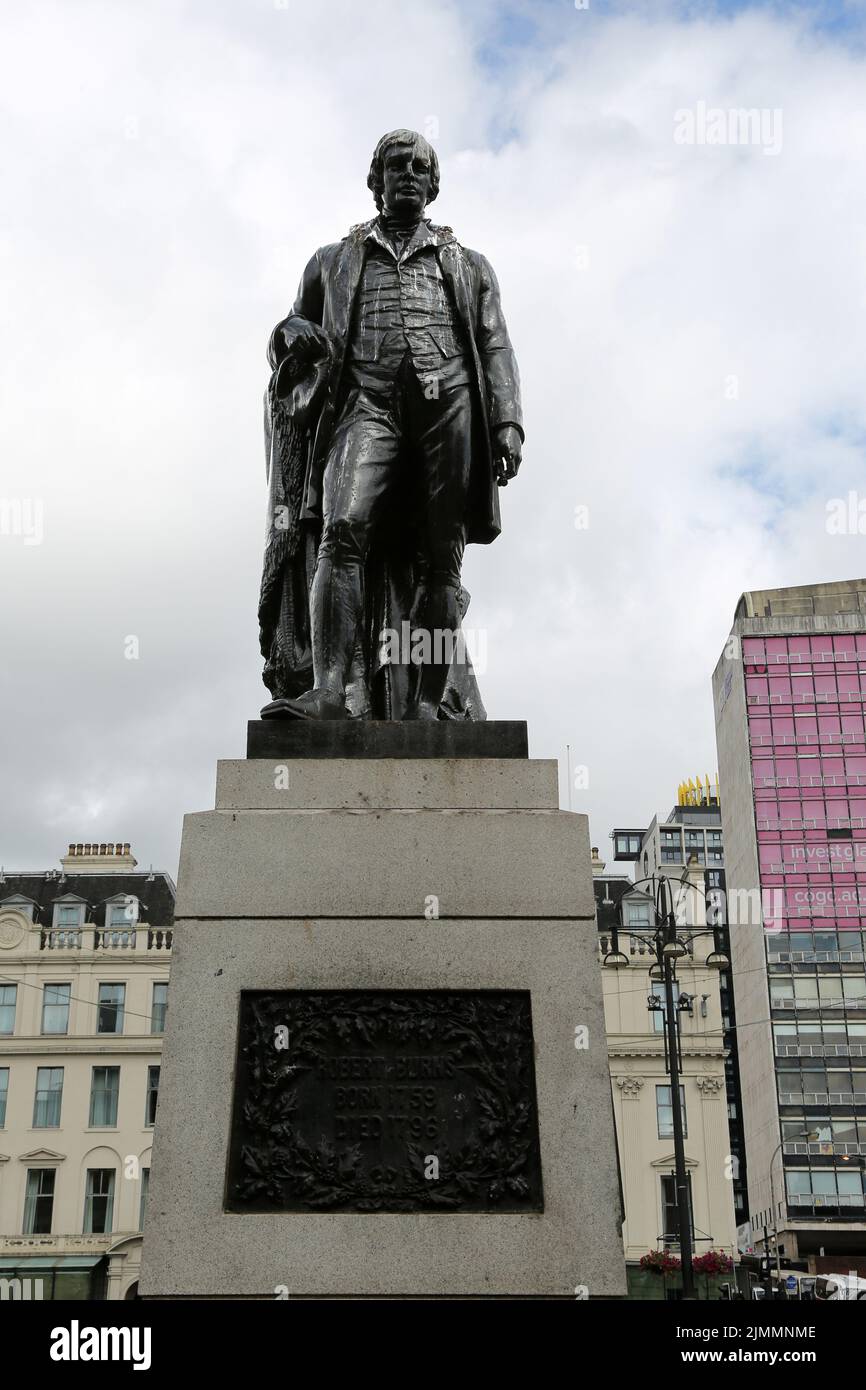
[(316, 704)]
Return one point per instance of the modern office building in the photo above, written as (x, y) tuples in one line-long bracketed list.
[(641, 1088), (790, 696), (84, 964), (691, 831)]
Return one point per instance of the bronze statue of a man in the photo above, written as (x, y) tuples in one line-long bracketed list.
[(392, 415)]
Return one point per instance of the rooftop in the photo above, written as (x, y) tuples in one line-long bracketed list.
[(94, 874), (811, 600)]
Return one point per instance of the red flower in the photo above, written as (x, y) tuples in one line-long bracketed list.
[(714, 1262), (660, 1262)]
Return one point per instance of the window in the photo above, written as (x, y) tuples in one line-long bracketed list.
[(109, 1012), (665, 1111), (20, 905), (160, 1006), (150, 1099), (833, 1031), (8, 998), (795, 1127), (638, 914), (798, 1182), (830, 989), (68, 914), (121, 919), (825, 941), (670, 1233), (628, 845), (55, 1008), (671, 845), (145, 1185), (48, 1098), (4, 1091), (39, 1202), (799, 941), (849, 1183), (104, 1090), (694, 839), (99, 1201), (829, 1184), (841, 1131), (806, 991), (122, 916)]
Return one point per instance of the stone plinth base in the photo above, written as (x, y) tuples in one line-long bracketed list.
[(328, 876)]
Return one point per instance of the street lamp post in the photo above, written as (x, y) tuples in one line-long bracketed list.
[(684, 1214), (667, 949), (811, 1135)]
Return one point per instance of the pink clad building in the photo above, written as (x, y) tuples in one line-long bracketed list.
[(790, 698)]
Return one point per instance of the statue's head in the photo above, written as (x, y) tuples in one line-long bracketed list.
[(404, 173)]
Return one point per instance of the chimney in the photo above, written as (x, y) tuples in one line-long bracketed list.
[(98, 857), (597, 864)]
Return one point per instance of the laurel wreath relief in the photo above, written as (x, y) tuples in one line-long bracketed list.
[(480, 1124)]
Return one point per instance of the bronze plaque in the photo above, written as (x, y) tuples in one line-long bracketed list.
[(385, 1100)]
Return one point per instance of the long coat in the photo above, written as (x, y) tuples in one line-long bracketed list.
[(326, 297)]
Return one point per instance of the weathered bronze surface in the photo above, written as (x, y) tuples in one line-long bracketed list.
[(392, 418), (385, 1100)]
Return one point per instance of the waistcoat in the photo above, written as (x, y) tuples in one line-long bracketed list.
[(403, 306)]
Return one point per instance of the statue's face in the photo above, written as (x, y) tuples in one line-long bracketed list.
[(406, 178)]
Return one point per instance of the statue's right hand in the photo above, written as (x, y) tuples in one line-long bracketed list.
[(304, 365), (302, 334)]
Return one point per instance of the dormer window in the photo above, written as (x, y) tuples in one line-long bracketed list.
[(69, 916), (23, 905), (122, 914), (121, 918), (638, 914)]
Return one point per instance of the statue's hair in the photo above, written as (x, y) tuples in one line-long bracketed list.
[(376, 176)]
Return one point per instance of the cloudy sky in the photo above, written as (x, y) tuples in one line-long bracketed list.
[(690, 321)]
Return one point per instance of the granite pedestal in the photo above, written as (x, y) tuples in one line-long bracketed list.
[(451, 878)]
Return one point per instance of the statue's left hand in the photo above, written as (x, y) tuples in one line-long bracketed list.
[(507, 453)]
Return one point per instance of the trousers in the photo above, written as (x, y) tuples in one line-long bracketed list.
[(418, 424)]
